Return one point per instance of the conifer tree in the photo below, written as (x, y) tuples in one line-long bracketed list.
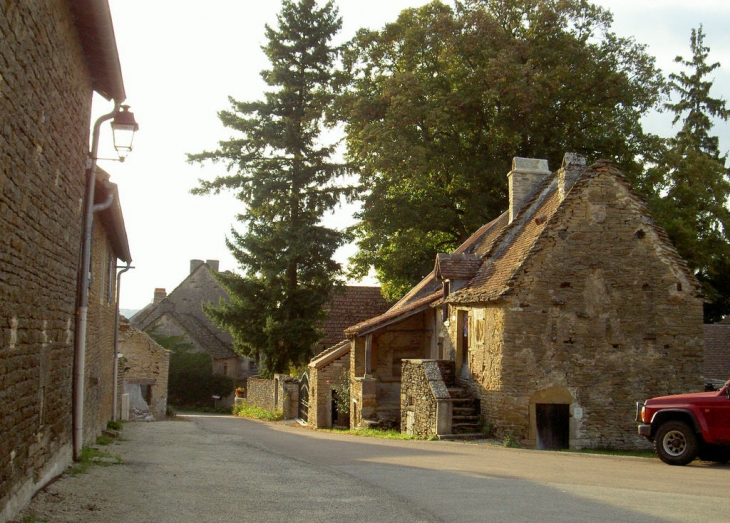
[(287, 182), (692, 198)]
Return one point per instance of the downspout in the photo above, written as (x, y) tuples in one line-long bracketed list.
[(116, 339), (82, 298)]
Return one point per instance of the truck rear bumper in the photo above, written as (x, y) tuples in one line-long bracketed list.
[(644, 430)]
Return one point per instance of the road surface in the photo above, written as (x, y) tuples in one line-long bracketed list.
[(220, 469)]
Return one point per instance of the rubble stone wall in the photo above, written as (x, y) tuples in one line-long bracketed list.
[(45, 108), (145, 363), (605, 318)]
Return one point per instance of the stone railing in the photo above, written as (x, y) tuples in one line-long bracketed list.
[(426, 407)]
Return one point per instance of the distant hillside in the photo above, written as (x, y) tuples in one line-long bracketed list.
[(128, 313)]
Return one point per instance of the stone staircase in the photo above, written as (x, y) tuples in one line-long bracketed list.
[(466, 414)]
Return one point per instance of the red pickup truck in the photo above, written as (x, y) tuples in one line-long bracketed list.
[(685, 426)]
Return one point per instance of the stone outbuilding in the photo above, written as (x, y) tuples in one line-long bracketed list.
[(143, 371), (329, 368), (553, 319)]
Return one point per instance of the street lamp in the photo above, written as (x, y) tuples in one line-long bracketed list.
[(124, 126)]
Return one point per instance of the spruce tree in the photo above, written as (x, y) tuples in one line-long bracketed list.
[(287, 181), (691, 201)]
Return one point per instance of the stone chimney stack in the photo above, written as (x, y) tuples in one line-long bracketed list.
[(213, 264), (573, 166), (194, 264), (526, 173), (160, 294)]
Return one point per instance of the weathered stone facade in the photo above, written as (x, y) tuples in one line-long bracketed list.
[(143, 371), (558, 315), (426, 408), (280, 393), (328, 369), (46, 84)]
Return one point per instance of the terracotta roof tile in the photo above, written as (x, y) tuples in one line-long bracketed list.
[(351, 305)]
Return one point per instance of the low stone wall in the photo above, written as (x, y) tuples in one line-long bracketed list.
[(425, 402), (280, 393)]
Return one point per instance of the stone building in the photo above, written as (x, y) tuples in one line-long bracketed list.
[(143, 372), (556, 317), (54, 55), (330, 364), (716, 368), (180, 313)]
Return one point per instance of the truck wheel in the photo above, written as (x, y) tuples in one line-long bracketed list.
[(675, 443)]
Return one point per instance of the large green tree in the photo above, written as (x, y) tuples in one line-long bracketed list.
[(692, 184), (286, 180), (443, 98)]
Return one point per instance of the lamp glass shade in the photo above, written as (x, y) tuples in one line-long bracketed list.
[(124, 126)]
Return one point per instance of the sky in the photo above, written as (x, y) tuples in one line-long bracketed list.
[(182, 59)]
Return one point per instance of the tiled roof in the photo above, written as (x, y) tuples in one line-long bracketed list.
[(527, 234), (395, 313), (184, 305), (429, 291), (492, 257), (717, 352), (350, 305), (327, 355), (457, 266)]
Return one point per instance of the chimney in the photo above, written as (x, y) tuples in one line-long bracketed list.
[(213, 264), (573, 166), (194, 264), (160, 294), (526, 173)]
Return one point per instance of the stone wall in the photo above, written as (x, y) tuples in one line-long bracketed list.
[(45, 108), (100, 362), (144, 366), (605, 318), (280, 393), (320, 390), (425, 401)]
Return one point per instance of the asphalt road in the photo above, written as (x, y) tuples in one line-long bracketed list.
[(221, 469)]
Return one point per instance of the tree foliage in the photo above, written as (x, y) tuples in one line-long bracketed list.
[(286, 182), (691, 180), (191, 381), (442, 99)]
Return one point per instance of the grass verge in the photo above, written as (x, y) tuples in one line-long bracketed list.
[(244, 410)]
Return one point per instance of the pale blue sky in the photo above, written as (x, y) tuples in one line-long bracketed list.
[(182, 58)]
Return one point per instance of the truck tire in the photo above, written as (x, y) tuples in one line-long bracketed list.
[(676, 443)]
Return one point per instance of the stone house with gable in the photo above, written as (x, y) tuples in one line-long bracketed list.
[(180, 313), (55, 54), (551, 320)]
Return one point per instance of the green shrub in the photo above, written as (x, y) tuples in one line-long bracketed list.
[(244, 410)]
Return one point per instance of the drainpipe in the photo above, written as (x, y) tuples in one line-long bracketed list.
[(116, 338), (82, 298)]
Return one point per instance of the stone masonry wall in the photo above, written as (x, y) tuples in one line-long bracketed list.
[(100, 362), (605, 318), (144, 362), (45, 107), (260, 392), (320, 390)]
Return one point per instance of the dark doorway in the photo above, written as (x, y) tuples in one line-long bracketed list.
[(303, 413), (553, 426)]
